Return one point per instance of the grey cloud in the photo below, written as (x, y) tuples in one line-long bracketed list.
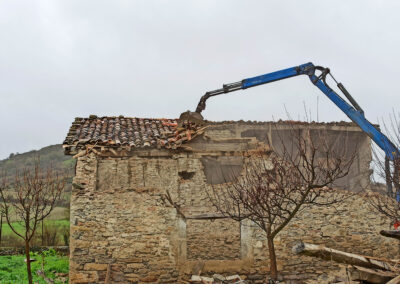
[(62, 59)]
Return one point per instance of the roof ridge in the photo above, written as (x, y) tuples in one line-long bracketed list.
[(135, 132)]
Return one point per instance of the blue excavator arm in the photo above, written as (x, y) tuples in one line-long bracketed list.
[(352, 109)]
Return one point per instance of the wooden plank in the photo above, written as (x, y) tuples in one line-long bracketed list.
[(395, 280), (207, 216), (339, 256), (375, 276)]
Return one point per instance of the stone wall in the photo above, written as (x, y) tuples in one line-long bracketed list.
[(123, 228), (62, 250), (212, 239)]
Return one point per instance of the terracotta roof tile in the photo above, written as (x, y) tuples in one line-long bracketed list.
[(144, 132), (128, 131)]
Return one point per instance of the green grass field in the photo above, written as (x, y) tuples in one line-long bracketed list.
[(6, 230), (56, 233), (13, 268)]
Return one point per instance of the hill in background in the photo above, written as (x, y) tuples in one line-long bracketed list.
[(50, 156), (55, 228)]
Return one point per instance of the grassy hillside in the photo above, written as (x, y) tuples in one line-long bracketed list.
[(57, 224), (50, 156)]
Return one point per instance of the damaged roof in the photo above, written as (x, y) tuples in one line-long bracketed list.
[(127, 131), (132, 132)]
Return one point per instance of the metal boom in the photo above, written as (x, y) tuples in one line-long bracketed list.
[(352, 109)]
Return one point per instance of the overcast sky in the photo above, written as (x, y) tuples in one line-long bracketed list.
[(65, 59)]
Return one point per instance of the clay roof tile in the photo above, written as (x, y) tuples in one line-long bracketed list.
[(107, 131)]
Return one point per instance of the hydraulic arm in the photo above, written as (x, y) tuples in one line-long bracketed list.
[(351, 109)]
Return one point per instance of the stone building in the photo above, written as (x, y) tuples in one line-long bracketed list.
[(123, 229)]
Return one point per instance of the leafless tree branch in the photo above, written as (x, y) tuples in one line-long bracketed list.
[(278, 181), (29, 199)]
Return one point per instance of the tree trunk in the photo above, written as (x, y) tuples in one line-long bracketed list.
[(396, 172), (42, 231), (1, 227), (28, 261), (27, 248), (272, 258), (388, 176)]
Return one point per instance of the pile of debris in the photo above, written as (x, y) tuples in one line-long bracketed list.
[(361, 268), (182, 132), (217, 279)]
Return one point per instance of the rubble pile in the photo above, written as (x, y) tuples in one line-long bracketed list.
[(217, 279), (183, 132)]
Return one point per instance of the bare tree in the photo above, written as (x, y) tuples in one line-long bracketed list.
[(386, 202), (276, 184), (385, 205), (30, 198), (1, 226), (387, 170)]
